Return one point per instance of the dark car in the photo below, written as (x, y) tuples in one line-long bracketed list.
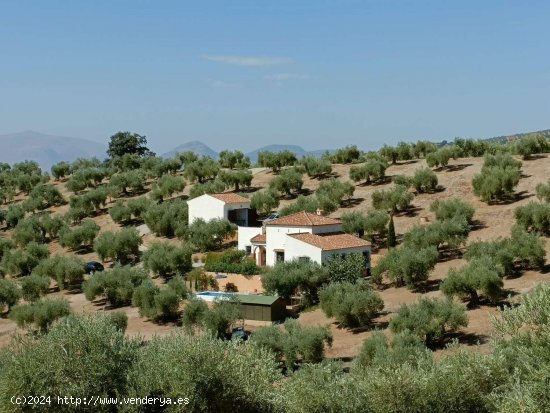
[(239, 333), (93, 266)]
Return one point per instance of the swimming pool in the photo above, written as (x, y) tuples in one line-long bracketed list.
[(213, 295)]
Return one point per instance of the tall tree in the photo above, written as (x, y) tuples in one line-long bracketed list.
[(122, 143)]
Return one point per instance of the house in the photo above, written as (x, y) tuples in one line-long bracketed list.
[(231, 206), (305, 236)]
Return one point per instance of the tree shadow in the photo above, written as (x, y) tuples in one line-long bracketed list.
[(351, 202), (411, 211), (518, 196), (408, 162), (469, 339), (428, 286), (249, 189), (476, 225), (457, 167), (535, 156)]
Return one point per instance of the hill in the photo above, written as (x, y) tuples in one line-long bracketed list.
[(46, 149), (197, 147)]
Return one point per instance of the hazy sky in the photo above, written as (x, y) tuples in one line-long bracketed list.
[(241, 74)]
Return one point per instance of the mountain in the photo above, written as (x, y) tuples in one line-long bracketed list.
[(194, 146), (508, 138), (46, 149)]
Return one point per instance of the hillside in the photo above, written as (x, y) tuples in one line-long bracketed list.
[(47, 149)]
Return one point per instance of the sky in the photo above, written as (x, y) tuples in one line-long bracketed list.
[(242, 74)]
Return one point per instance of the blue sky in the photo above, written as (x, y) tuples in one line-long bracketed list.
[(241, 74)]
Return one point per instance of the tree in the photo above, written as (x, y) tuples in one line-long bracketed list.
[(302, 203), (349, 154), (499, 176), (19, 262), (132, 181), (354, 222), (335, 191), (534, 217), (451, 208), (210, 187), (81, 237), (349, 268), (164, 219), (61, 170), (292, 277), (530, 145), (264, 202), (372, 170), (193, 313), (201, 170), (441, 157), (122, 143), (424, 180), (450, 233), (315, 167), (390, 153), (66, 271), (352, 304), (166, 186), (34, 286), (396, 199), (236, 178), (121, 246), (167, 260), (42, 197), (209, 235), (406, 266), (234, 159), (276, 160), (219, 319), (14, 214), (156, 303), (9, 294), (543, 191), (41, 313), (429, 319), (392, 242), (480, 276), (287, 181), (116, 286), (294, 343)]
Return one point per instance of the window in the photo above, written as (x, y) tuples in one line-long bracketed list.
[(248, 249), (279, 256), (367, 258), (303, 259)]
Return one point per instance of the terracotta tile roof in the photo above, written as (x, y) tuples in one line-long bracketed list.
[(304, 219), (258, 239), (230, 198), (332, 241)]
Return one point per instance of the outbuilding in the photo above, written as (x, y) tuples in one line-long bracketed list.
[(262, 307)]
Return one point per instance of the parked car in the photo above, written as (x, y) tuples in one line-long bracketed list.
[(239, 333), (271, 217), (93, 266)]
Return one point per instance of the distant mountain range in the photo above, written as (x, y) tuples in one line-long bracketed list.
[(202, 149), (46, 149)]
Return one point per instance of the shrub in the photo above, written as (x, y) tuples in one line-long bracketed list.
[(166, 260), (480, 277), (534, 217), (193, 313), (9, 294), (402, 180), (119, 320), (34, 286), (18, 262), (164, 219), (81, 237), (352, 304), (66, 271), (451, 208), (264, 202), (231, 261), (406, 266), (350, 267), (424, 180), (121, 246), (231, 288), (209, 235), (396, 199), (218, 319), (429, 319), (295, 342), (116, 285), (41, 313), (543, 191), (288, 181), (292, 277)]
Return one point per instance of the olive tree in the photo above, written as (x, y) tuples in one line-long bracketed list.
[(121, 246), (264, 202), (234, 159), (543, 191), (166, 260), (80, 237), (288, 181), (66, 271), (209, 235), (350, 267), (116, 286), (395, 199), (61, 170), (201, 170), (276, 160), (9, 294), (166, 186), (374, 170), (451, 208), (316, 167), (424, 180), (534, 217), (22, 261), (236, 179), (40, 314), (164, 219), (34, 286)]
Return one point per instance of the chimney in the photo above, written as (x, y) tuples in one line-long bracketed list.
[(318, 212)]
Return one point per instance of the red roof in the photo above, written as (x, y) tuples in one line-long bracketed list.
[(230, 198), (331, 241), (258, 239), (304, 219)]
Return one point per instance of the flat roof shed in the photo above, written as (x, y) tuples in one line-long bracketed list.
[(262, 307)]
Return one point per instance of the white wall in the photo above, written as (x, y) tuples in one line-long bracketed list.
[(244, 235), (205, 207), (295, 249), (276, 239)]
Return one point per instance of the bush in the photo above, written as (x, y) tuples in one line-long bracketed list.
[(34, 286), (231, 261), (350, 267), (451, 208), (119, 320), (288, 181), (480, 277), (396, 199), (166, 260), (194, 313), (264, 202), (424, 180), (41, 313), (116, 285), (406, 266), (209, 235), (19, 262), (9, 294), (81, 237), (295, 343), (543, 191), (121, 246), (66, 271), (429, 319), (352, 304), (220, 317), (292, 277), (164, 219), (534, 217), (231, 288)]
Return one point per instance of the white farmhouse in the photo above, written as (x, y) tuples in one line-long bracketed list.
[(233, 207), (305, 235)]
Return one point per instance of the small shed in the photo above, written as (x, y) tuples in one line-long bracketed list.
[(262, 307)]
